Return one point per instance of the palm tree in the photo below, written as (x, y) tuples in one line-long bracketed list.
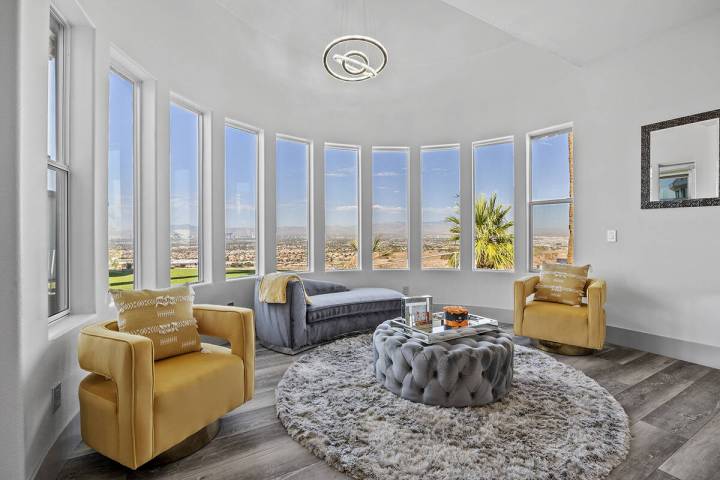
[(493, 242)]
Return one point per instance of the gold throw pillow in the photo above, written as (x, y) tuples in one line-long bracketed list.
[(562, 283), (164, 316)]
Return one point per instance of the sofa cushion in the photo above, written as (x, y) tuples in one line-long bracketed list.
[(164, 316), (354, 302), (321, 287), (556, 323), (193, 390)]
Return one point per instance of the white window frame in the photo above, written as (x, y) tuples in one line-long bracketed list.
[(128, 75), (426, 148), (203, 129), (258, 132), (406, 151), (570, 200), (483, 143), (310, 200), (61, 162), (358, 151)]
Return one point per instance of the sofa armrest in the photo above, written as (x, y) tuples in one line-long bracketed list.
[(522, 289), (282, 324), (236, 325), (127, 360), (596, 297)]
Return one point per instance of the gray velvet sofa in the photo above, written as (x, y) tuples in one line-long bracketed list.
[(335, 311)]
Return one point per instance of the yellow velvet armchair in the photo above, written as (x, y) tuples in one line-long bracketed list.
[(565, 329), (133, 409)]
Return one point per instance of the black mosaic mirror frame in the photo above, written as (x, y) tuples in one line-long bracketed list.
[(645, 202)]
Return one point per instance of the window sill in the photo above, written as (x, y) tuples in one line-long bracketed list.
[(240, 279), (69, 323)]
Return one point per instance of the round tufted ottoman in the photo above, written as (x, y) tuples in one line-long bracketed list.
[(458, 373)]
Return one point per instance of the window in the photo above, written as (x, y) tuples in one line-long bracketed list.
[(185, 194), (241, 163), (389, 208), (440, 207), (122, 150), (292, 158), (342, 212), (57, 175), (551, 206), (493, 215)]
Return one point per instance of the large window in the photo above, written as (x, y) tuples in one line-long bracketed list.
[(57, 174), (342, 219), (292, 174), (440, 193), (550, 207), (241, 162), (121, 180), (389, 208), (185, 194), (493, 215)]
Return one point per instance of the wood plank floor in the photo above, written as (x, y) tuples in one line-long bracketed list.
[(674, 408)]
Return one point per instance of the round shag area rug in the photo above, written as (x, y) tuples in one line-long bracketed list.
[(555, 423)]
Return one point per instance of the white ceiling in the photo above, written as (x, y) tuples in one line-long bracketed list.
[(415, 32), (582, 31)]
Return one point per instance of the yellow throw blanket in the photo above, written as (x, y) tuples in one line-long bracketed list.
[(273, 287)]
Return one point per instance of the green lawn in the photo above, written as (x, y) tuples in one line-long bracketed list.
[(122, 280)]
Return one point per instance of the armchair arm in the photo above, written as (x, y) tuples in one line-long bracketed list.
[(596, 296), (523, 288), (238, 327), (127, 360)]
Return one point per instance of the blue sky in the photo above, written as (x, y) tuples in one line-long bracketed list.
[(184, 154), (440, 183), (494, 172), (240, 178), (550, 179), (291, 183), (389, 186), (341, 187), (120, 157)]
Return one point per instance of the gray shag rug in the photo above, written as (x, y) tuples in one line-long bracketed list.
[(555, 423)]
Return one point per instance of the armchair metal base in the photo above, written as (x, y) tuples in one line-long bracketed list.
[(563, 349), (187, 447)]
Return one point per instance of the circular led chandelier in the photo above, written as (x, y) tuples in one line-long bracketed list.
[(353, 58)]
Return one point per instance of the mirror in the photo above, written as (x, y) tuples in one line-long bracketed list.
[(681, 162)]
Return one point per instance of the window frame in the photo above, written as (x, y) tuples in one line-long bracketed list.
[(125, 73), (358, 150), (424, 148), (569, 200), (407, 152), (202, 158), (310, 194), (258, 132), (482, 143), (59, 25)]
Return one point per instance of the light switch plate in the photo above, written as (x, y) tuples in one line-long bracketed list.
[(612, 235)]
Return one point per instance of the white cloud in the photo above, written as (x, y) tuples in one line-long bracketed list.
[(346, 208), (386, 174), (388, 209)]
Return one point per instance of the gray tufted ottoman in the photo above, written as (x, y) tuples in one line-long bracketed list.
[(458, 373)]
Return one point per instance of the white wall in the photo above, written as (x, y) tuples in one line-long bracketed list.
[(658, 275)]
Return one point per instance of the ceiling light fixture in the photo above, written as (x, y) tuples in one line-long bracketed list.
[(353, 58)]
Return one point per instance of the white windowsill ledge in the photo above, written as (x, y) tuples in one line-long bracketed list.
[(69, 323)]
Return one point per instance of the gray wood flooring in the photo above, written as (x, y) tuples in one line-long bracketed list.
[(674, 408)]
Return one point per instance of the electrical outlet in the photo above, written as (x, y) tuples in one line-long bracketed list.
[(56, 397), (406, 290), (231, 304), (612, 235)]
